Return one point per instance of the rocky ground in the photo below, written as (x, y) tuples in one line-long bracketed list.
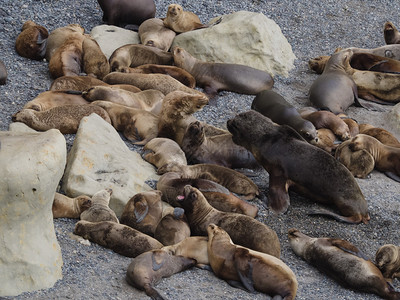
[(312, 28)]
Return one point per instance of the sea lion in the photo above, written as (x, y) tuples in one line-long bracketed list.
[(65, 118), (387, 259), (66, 207), (342, 261), (249, 269), (326, 140), (154, 33), (275, 107), (292, 162), (133, 55), (371, 62), (243, 230), (181, 21), (147, 269), (49, 99), (137, 125), (382, 135), (192, 247), (124, 12), (94, 61), (3, 73), (99, 211), (351, 123), (120, 238), (31, 42), (172, 228), (214, 77), (318, 64), (391, 34), (163, 151)]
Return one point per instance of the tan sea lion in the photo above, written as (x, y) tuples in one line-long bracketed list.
[(172, 228), (66, 207), (318, 64), (191, 247), (214, 77), (351, 123), (3, 73), (31, 42), (181, 21), (326, 140), (382, 135), (49, 99), (147, 269), (65, 118), (154, 33), (249, 269), (387, 259), (137, 125), (100, 211), (342, 261), (94, 62), (243, 230), (391, 34), (292, 162), (120, 238)]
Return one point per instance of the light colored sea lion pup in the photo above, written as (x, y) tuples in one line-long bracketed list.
[(32, 41), (147, 269), (65, 118), (391, 34), (120, 238), (172, 228), (387, 259), (244, 230), (181, 21), (245, 268), (49, 99), (154, 33), (3, 73), (214, 77), (351, 123), (66, 207), (100, 211), (382, 135), (342, 261), (326, 140), (94, 61)]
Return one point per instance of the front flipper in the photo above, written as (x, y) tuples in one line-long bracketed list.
[(244, 268), (348, 247), (278, 197), (141, 210), (157, 260)]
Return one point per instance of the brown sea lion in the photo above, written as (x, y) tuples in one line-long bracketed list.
[(31, 42), (3, 73), (326, 140), (66, 207), (243, 230), (351, 123), (172, 228), (318, 64), (100, 211), (65, 118), (181, 21), (191, 247), (50, 99), (147, 269), (342, 261), (292, 162), (133, 55), (275, 107), (120, 238), (371, 62), (94, 61), (154, 33), (214, 77), (387, 259), (382, 135), (391, 34), (137, 125), (249, 269)]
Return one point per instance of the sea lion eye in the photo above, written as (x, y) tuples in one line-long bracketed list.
[(308, 134)]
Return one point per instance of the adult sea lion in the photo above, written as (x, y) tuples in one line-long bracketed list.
[(100, 211), (387, 259), (66, 207), (342, 261), (292, 162), (181, 21), (31, 42), (3, 73), (49, 99), (391, 34), (94, 61), (154, 33), (172, 228)]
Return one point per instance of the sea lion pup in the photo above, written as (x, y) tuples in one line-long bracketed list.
[(99, 211), (342, 261), (172, 228), (171, 184), (360, 163), (181, 21), (275, 107), (3, 73), (326, 140), (120, 238), (49, 99), (147, 269), (178, 73), (292, 162), (244, 230), (245, 268), (65, 118), (95, 63), (351, 123), (31, 42), (137, 125), (382, 135), (391, 34), (387, 259), (318, 64), (133, 55), (66, 207), (154, 33), (192, 247), (214, 77), (163, 151)]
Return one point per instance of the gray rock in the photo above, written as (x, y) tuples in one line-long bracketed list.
[(31, 166)]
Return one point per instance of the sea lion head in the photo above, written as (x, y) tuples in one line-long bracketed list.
[(171, 167), (216, 232), (84, 202), (183, 59), (186, 103), (81, 228), (25, 115), (191, 200), (298, 241), (174, 10), (386, 259), (318, 64), (308, 132)]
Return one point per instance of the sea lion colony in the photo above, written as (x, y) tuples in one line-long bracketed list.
[(346, 76)]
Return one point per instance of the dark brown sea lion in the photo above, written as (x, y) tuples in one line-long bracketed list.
[(32, 40), (391, 34), (99, 210), (154, 33), (3, 73), (120, 238), (124, 12), (243, 229), (147, 269), (387, 259), (382, 135), (249, 269), (181, 21), (191, 247), (214, 77), (50, 99), (291, 161), (94, 62), (66, 207), (371, 62), (342, 261), (172, 228), (275, 107)]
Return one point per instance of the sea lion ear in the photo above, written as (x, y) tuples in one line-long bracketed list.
[(290, 132)]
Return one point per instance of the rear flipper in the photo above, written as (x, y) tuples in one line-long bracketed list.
[(153, 293), (337, 217)]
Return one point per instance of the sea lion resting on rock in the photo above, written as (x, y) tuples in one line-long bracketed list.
[(32, 41), (99, 211), (154, 33), (95, 63), (343, 262), (172, 228), (66, 207), (387, 259), (191, 247), (181, 21), (244, 267), (291, 161), (3, 73), (382, 135), (50, 99)]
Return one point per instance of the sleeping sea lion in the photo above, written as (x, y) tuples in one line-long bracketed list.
[(172, 228), (66, 207), (49, 99), (31, 42), (154, 33), (382, 135), (387, 259), (94, 62)]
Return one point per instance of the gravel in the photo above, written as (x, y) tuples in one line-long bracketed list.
[(312, 28)]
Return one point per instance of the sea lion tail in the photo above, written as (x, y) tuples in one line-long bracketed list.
[(337, 217)]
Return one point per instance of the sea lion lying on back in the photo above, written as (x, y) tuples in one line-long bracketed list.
[(32, 41)]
